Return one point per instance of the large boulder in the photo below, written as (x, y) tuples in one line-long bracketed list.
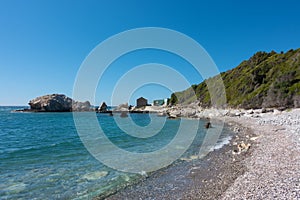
[(51, 103), (57, 103), (81, 106), (122, 107), (188, 112), (174, 113)]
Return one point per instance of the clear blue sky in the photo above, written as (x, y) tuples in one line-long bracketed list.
[(43, 43)]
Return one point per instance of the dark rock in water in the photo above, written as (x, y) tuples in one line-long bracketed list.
[(172, 117), (103, 107), (22, 110), (124, 114), (130, 107), (208, 125), (139, 111), (57, 103)]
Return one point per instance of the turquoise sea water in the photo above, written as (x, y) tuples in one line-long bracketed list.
[(42, 156)]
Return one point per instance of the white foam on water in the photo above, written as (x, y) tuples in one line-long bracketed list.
[(224, 141), (179, 147), (16, 188), (95, 175), (190, 158)]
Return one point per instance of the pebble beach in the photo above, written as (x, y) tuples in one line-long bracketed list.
[(262, 161), (273, 168)]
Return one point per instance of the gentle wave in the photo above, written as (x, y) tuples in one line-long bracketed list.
[(35, 148), (223, 142)]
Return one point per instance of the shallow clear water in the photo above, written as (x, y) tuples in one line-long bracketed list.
[(42, 156)]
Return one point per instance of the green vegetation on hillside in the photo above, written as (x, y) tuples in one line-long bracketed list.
[(265, 80)]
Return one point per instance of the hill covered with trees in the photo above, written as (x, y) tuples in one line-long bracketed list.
[(265, 80)]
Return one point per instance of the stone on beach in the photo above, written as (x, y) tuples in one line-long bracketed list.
[(174, 113), (188, 112), (240, 148)]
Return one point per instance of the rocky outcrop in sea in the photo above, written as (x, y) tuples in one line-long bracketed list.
[(57, 103)]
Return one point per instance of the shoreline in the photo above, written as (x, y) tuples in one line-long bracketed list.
[(194, 177), (223, 174)]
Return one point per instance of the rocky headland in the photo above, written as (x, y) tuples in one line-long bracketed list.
[(57, 103)]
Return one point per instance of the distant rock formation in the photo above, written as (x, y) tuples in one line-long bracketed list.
[(122, 107), (57, 103), (103, 107), (81, 106)]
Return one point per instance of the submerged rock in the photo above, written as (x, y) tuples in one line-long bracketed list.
[(95, 175), (124, 114)]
